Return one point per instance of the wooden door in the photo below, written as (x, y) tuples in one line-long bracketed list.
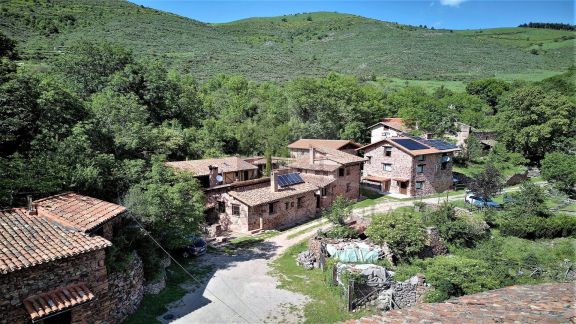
[(386, 186), (403, 187)]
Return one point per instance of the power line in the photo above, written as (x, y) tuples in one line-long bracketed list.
[(187, 272)]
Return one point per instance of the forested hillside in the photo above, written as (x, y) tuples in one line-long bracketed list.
[(283, 48)]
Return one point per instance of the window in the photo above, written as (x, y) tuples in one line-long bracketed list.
[(287, 204), (387, 151), (341, 172), (421, 157), (271, 209), (348, 187), (221, 207), (323, 192), (369, 160), (235, 209), (420, 168), (300, 202), (347, 171), (387, 166), (419, 184), (291, 204)]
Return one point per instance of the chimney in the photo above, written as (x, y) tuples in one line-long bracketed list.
[(274, 181), (212, 175), (428, 136), (32, 207), (312, 154)]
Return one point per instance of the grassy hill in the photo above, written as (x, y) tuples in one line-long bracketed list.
[(281, 48)]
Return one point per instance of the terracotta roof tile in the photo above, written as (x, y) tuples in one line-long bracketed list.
[(262, 193), (317, 180), (545, 303), (42, 305), (82, 212), (306, 143), (200, 167), (27, 240), (326, 154)]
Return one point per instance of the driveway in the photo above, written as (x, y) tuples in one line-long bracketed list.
[(240, 289)]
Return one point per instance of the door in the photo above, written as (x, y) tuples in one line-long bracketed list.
[(386, 185), (245, 175), (403, 187), (317, 201), (61, 318)]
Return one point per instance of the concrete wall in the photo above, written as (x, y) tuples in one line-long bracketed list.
[(88, 268)]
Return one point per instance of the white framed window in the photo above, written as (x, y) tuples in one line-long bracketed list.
[(419, 184), (387, 166), (387, 150)]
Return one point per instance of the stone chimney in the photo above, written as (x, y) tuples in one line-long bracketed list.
[(212, 175), (312, 155), (32, 207), (274, 181), (428, 136)]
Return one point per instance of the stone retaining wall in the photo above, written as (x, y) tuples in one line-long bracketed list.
[(126, 289)]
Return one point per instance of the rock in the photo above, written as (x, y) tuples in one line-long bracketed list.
[(306, 259)]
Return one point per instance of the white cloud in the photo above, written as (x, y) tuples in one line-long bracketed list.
[(451, 3)]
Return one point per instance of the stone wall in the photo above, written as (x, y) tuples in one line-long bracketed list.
[(401, 165), (126, 289), (87, 268), (352, 174), (435, 180), (286, 211)]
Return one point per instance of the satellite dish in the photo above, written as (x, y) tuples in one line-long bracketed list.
[(219, 178), (446, 159)]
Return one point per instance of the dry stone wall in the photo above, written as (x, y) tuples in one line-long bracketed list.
[(126, 289)]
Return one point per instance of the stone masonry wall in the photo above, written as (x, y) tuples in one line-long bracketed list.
[(126, 289), (401, 165), (351, 176), (88, 268), (435, 179), (285, 216)]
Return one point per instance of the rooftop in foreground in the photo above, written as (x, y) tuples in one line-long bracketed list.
[(545, 303)]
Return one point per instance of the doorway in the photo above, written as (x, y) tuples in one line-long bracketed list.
[(386, 186), (61, 318), (403, 187), (245, 175)]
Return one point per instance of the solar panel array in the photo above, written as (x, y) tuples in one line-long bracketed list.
[(441, 145), (410, 144), (289, 179)]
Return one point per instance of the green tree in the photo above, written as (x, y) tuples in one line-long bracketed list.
[(489, 90), (487, 183), (338, 211), (560, 169), (530, 200), (88, 66), (534, 122), (7, 47), (170, 205), (455, 229), (472, 149), (268, 169), (403, 232)]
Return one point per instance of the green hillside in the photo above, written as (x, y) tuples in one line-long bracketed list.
[(281, 48)]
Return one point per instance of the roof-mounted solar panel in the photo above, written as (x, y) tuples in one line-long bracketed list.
[(289, 179), (410, 144)]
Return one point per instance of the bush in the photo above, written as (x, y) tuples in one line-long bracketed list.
[(338, 211), (453, 276), (403, 232), (533, 227), (340, 231), (454, 229)]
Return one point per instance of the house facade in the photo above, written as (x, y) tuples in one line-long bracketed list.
[(52, 261), (388, 127), (301, 147), (215, 172), (409, 166)]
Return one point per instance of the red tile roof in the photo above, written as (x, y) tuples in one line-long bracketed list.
[(27, 240), (376, 178), (82, 212), (201, 167), (45, 304), (306, 143), (545, 303), (336, 160), (393, 122)]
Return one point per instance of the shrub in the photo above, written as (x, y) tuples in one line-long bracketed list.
[(455, 229), (533, 227), (341, 231), (403, 232), (338, 211), (529, 201), (453, 276), (560, 169)]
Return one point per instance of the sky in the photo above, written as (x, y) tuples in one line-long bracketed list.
[(449, 14)]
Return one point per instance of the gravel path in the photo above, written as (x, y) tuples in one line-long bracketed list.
[(242, 282)]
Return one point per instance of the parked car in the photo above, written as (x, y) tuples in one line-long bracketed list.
[(480, 202), (196, 247)]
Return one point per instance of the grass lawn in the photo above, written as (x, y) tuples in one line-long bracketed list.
[(153, 306), (305, 230), (326, 305)]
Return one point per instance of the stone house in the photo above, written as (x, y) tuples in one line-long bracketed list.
[(408, 165), (302, 146), (486, 137), (52, 261), (336, 171), (220, 171), (388, 127), (260, 163)]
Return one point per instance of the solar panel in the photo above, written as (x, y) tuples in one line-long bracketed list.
[(289, 179), (441, 145), (410, 144)]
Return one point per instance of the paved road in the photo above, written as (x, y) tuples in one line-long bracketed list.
[(242, 282)]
